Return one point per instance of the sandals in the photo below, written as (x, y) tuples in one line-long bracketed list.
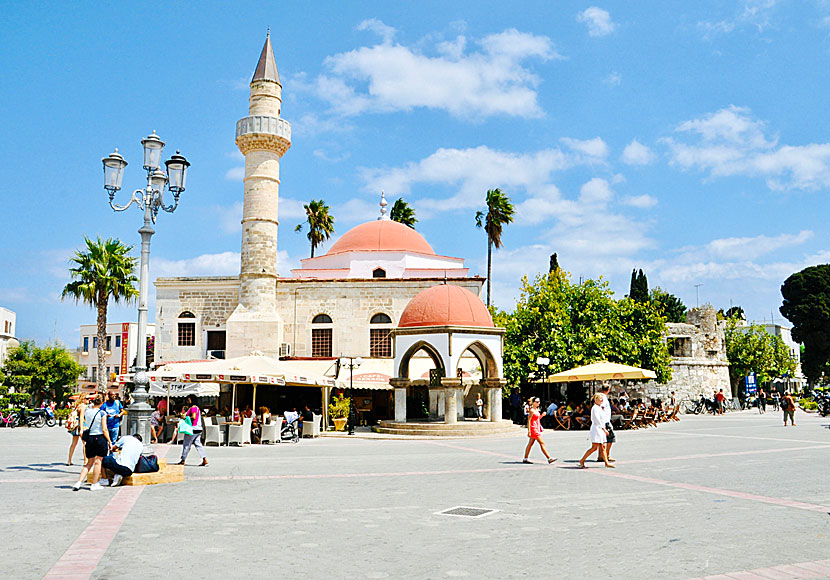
[(551, 459)]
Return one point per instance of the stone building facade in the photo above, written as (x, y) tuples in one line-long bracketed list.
[(699, 364), (350, 304), (345, 302)]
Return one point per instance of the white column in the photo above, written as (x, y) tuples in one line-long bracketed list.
[(400, 404)]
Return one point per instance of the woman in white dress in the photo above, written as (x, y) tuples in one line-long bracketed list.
[(598, 433)]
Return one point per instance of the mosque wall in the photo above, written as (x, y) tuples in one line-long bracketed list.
[(350, 303)]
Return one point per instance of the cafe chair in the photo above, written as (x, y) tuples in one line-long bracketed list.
[(270, 433), (312, 428), (240, 434), (214, 434)]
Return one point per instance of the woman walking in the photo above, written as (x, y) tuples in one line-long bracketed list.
[(598, 433), (534, 429), (194, 439), (76, 422), (97, 444)]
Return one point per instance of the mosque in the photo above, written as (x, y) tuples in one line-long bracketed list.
[(381, 293)]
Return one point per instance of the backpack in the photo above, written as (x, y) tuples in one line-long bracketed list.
[(72, 420), (147, 464)]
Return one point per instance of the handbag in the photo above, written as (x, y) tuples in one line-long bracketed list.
[(147, 464), (85, 434), (185, 426)]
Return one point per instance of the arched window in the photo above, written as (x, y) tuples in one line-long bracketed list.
[(321, 336), (379, 273), (380, 339), (187, 329), (381, 318)]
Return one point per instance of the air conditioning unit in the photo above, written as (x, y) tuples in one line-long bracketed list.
[(285, 349)]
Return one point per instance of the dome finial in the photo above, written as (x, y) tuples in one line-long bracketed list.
[(383, 204)]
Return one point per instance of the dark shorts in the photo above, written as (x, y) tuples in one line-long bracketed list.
[(97, 446), (110, 463), (610, 438)]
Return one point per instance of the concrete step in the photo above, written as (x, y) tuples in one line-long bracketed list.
[(461, 429)]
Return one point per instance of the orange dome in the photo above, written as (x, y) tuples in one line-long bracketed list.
[(445, 305), (381, 236)]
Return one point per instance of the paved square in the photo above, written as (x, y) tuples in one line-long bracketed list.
[(738, 495)]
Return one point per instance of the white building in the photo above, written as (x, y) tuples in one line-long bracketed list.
[(8, 324), (345, 302), (119, 350), (797, 381)]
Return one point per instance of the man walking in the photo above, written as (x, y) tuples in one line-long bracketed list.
[(720, 398), (606, 419), (762, 402), (114, 411), (788, 406)]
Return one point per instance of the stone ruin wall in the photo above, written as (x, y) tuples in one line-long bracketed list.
[(701, 366)]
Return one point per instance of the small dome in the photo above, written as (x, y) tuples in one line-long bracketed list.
[(445, 305), (381, 236)]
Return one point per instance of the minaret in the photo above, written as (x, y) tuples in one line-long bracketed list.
[(262, 137)]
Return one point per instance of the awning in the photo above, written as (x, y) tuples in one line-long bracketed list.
[(254, 368), (159, 389), (600, 371)]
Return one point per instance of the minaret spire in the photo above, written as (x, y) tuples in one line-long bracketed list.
[(266, 68), (383, 204)]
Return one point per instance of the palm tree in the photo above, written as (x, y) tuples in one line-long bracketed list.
[(403, 213), (104, 271), (499, 212), (320, 223)]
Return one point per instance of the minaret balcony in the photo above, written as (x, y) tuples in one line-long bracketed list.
[(260, 124)]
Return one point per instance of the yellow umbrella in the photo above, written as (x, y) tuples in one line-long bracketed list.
[(601, 371)]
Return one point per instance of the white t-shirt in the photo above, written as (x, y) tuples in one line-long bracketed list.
[(131, 449), (606, 410)]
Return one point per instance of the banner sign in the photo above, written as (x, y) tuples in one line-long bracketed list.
[(125, 352), (750, 385)]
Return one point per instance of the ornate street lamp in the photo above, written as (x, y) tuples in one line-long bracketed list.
[(150, 200), (354, 362)]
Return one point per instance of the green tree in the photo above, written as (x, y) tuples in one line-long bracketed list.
[(403, 213), (638, 289), (47, 372), (807, 306), (668, 305), (750, 348), (577, 324), (320, 223), (554, 262), (499, 213), (104, 271)]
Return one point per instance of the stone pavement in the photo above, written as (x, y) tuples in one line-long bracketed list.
[(737, 496)]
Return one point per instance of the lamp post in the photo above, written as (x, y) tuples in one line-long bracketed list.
[(544, 362), (354, 362), (150, 200)]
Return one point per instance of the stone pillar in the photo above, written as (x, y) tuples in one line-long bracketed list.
[(436, 403), (400, 398), (451, 388), (494, 397)]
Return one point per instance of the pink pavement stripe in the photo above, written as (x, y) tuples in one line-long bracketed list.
[(739, 437), (817, 569), (713, 490), (358, 475), (82, 557)]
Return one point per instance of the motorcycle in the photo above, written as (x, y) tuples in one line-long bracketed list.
[(24, 418), (823, 401)]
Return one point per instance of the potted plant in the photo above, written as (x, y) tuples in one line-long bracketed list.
[(339, 412)]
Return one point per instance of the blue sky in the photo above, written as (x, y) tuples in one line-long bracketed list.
[(686, 139)]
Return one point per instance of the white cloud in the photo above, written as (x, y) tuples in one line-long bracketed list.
[(597, 191), (635, 153), (471, 84), (614, 79), (595, 147), (731, 142), (235, 174), (223, 264), (387, 33), (641, 201), (471, 172), (749, 248), (598, 21), (756, 14)]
